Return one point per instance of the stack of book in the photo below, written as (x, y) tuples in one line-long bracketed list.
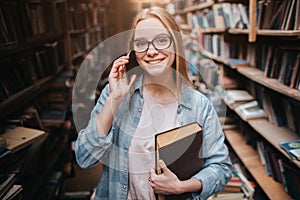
[(233, 98), (250, 110)]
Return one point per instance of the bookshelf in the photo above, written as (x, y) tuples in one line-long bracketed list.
[(40, 43), (267, 43), (87, 26), (250, 159), (32, 57)]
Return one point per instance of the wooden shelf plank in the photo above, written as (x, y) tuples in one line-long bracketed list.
[(274, 134), (212, 30), (250, 159), (34, 42), (231, 62), (238, 31), (212, 56), (252, 20), (285, 33), (185, 27), (22, 98), (258, 76), (193, 8), (199, 7)]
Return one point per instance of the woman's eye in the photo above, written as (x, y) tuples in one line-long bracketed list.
[(140, 43), (162, 40)]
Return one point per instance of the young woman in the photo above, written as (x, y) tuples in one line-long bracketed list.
[(132, 109)]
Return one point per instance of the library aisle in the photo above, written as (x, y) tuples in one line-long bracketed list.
[(242, 54)]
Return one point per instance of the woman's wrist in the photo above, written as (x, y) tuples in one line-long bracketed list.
[(114, 101), (190, 185)]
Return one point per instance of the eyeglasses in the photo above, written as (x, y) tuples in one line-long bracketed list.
[(159, 43)]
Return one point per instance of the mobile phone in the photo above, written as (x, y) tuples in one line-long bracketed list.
[(132, 61)]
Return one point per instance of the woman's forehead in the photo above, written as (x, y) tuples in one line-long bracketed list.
[(150, 27)]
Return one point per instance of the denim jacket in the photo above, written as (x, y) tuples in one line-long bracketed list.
[(112, 150)]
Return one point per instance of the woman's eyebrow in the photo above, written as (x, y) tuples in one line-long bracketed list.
[(156, 36)]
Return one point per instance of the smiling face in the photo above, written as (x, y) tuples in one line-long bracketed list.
[(159, 56)]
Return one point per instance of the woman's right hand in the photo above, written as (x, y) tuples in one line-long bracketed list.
[(119, 86)]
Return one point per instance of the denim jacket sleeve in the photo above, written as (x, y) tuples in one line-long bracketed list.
[(89, 146), (217, 168)]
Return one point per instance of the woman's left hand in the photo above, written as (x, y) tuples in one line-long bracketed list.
[(166, 182)]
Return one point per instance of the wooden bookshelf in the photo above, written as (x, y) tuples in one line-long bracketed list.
[(92, 21), (243, 43), (258, 76), (30, 64), (274, 135), (250, 159)]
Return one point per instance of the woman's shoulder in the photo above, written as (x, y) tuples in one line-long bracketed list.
[(195, 94)]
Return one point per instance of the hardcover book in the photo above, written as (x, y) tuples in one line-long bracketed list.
[(292, 148), (181, 150), (20, 137)]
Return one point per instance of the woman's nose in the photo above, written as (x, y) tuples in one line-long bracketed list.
[(151, 50)]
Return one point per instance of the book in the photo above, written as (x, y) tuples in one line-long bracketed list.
[(53, 116), (234, 185), (244, 15), (248, 187), (228, 196), (292, 148), (7, 184), (13, 193), (79, 195), (228, 17), (292, 175), (181, 150), (297, 16), (236, 63), (218, 16), (20, 137)]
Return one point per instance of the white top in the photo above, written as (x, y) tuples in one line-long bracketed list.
[(156, 117)]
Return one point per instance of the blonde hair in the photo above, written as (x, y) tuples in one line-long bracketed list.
[(169, 22)]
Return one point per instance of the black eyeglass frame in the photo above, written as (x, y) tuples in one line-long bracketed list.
[(151, 42)]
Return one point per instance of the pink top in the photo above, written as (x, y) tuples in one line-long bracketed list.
[(156, 117)]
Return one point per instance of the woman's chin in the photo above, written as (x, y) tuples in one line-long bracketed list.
[(157, 71)]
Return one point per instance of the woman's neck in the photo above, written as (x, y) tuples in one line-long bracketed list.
[(162, 89)]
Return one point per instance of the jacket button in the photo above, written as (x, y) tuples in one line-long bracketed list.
[(178, 110)]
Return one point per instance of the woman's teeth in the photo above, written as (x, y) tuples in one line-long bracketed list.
[(154, 61)]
